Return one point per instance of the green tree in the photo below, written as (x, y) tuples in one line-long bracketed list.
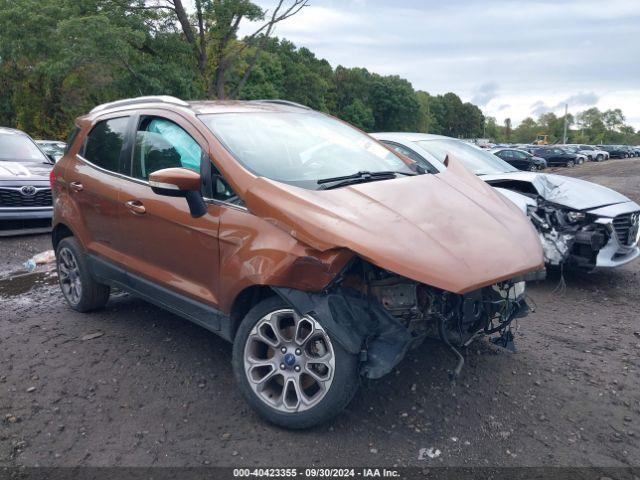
[(360, 115)]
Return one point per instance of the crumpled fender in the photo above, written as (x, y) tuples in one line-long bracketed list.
[(356, 324)]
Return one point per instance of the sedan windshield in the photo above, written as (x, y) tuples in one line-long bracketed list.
[(300, 148), (19, 148), (475, 159)]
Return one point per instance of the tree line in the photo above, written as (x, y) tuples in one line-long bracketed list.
[(590, 126), (60, 58)]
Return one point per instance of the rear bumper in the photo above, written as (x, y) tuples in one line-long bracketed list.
[(22, 221)]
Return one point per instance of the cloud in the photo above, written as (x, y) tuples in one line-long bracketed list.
[(578, 100), (538, 108), (532, 55), (484, 93)]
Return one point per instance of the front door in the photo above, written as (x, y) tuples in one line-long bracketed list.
[(167, 249)]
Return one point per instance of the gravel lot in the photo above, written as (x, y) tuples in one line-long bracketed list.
[(152, 389)]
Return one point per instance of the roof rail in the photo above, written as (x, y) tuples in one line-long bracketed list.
[(283, 102), (136, 100)]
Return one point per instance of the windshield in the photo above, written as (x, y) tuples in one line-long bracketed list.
[(52, 148), (19, 148), (300, 148), (475, 159)]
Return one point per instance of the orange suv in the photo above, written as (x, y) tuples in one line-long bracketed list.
[(322, 255)]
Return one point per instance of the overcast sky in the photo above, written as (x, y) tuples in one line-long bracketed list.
[(512, 58)]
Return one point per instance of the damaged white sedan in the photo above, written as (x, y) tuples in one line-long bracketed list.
[(580, 224)]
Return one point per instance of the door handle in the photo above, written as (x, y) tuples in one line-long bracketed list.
[(76, 186), (136, 207)]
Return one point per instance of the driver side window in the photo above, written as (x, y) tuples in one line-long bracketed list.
[(160, 144)]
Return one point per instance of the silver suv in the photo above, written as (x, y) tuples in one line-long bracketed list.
[(25, 193)]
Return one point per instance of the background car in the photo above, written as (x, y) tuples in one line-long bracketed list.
[(632, 151), (615, 151), (592, 153), (25, 193), (520, 159), (556, 156), (53, 148)]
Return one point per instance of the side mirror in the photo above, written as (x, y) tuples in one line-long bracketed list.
[(180, 182)]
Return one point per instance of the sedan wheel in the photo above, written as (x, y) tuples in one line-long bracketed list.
[(599, 158), (533, 168), (571, 164)]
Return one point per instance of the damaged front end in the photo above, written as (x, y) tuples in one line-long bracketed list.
[(568, 237), (379, 315)]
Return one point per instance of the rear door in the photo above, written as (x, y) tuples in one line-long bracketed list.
[(94, 182), (169, 253)]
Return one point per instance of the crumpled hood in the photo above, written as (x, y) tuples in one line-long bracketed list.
[(566, 191), (24, 170), (449, 230)]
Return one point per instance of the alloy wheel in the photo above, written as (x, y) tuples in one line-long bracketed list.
[(289, 361), (69, 276)]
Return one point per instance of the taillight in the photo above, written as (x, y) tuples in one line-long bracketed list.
[(52, 178)]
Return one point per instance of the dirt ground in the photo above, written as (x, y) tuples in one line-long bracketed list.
[(150, 389)]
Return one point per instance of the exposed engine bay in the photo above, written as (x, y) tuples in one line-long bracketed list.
[(568, 237), (381, 315)]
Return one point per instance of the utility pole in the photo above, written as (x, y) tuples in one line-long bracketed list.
[(564, 136)]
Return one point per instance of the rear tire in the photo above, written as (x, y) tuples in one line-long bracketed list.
[(80, 289), (269, 385)]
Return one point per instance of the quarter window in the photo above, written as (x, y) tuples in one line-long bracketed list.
[(104, 143), (160, 144)]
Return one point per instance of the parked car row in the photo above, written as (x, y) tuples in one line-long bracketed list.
[(322, 253), (538, 157)]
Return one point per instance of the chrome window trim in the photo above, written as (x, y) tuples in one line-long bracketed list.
[(111, 172)]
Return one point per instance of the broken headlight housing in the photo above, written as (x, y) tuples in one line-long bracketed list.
[(575, 216)]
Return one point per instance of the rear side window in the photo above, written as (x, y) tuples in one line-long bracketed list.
[(160, 144), (104, 143), (71, 138)]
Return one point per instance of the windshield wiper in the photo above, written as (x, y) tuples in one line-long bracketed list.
[(359, 177)]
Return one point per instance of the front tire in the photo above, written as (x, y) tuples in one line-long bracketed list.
[(79, 288), (599, 158), (289, 369), (571, 164)]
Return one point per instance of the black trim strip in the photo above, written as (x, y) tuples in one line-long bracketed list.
[(197, 312)]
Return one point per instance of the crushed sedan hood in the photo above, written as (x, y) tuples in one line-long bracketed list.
[(566, 191), (449, 230), (24, 170)]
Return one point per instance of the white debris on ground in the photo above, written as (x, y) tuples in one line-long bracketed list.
[(42, 258), (430, 452)]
